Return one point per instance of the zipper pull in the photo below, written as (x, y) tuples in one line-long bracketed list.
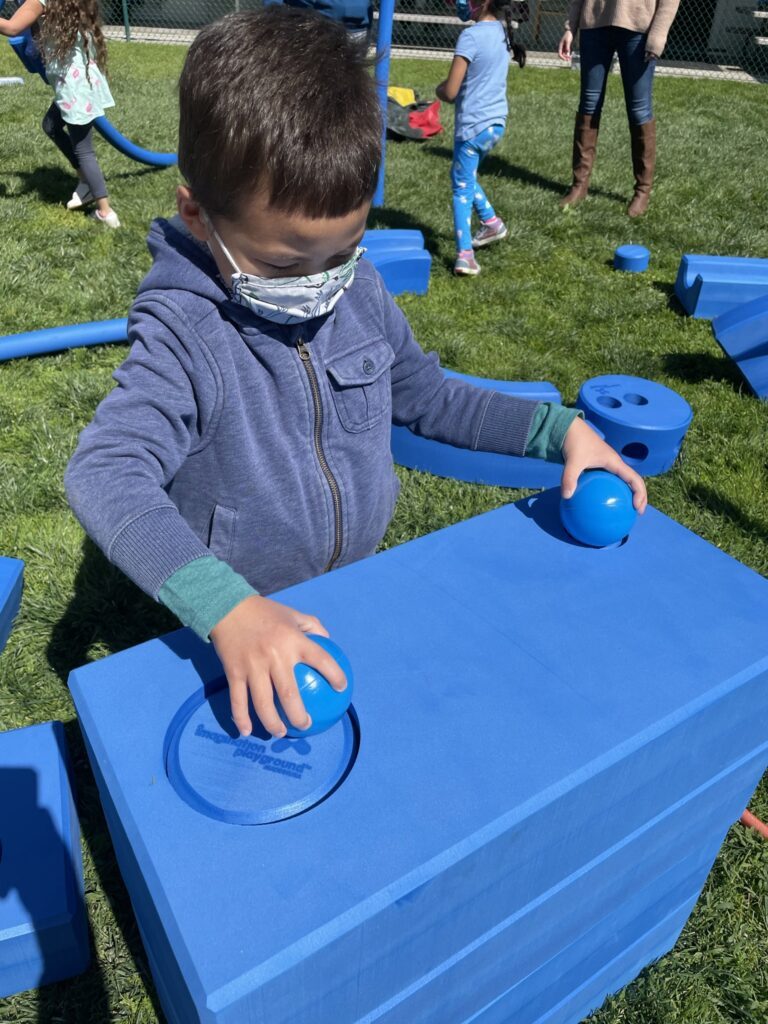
[(302, 349)]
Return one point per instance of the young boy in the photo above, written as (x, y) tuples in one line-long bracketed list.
[(246, 445)]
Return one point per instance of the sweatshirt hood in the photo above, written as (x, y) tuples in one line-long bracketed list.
[(181, 263)]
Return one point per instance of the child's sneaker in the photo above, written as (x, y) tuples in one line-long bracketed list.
[(492, 231), (80, 197), (110, 219), (466, 265)]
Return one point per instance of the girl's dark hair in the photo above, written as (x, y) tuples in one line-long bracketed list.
[(503, 9), (62, 22), (281, 100)]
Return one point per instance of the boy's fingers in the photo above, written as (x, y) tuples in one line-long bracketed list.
[(635, 481), (238, 699), (571, 474), (284, 682), (264, 705), (310, 624), (314, 655)]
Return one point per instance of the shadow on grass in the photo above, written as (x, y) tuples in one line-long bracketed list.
[(56, 184), (501, 167), (713, 501), (695, 367), (109, 611), (673, 303), (386, 217)]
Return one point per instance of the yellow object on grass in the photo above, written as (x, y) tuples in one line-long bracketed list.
[(401, 96)]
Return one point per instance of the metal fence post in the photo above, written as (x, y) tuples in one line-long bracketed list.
[(383, 48), (126, 22)]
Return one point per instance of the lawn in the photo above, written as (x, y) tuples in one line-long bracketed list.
[(547, 306)]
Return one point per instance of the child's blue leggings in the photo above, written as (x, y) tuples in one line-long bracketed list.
[(467, 191)]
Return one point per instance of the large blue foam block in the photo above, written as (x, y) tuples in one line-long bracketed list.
[(710, 285), (43, 924), (742, 333), (408, 449), (533, 718), (11, 584)]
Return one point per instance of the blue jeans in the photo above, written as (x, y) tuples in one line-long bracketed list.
[(467, 191), (598, 46)]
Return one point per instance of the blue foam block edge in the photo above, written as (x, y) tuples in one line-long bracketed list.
[(11, 586)]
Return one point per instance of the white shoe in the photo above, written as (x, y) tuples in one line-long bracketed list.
[(111, 219), (77, 201)]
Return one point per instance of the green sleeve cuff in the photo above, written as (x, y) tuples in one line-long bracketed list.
[(202, 592), (548, 428)]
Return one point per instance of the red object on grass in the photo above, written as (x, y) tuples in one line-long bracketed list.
[(751, 821)]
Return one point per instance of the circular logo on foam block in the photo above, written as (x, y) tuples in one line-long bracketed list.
[(257, 779)]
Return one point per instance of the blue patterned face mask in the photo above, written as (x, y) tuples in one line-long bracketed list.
[(291, 300)]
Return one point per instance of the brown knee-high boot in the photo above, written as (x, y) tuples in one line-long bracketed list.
[(584, 147), (643, 138)]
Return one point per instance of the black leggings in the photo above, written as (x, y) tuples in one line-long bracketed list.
[(76, 143)]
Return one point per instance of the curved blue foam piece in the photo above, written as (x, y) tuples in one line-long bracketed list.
[(26, 49), (644, 421), (414, 452), (11, 585), (385, 239), (55, 339), (742, 333), (43, 924), (708, 286), (145, 156), (403, 270)]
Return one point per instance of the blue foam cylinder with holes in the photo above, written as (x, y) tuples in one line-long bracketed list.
[(643, 420), (493, 833)]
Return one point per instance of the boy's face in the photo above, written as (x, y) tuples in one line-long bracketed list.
[(271, 243)]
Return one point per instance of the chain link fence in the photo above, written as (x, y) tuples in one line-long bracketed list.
[(727, 38)]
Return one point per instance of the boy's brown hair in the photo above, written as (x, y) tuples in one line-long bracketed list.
[(281, 100)]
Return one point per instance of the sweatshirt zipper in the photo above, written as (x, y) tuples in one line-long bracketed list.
[(318, 439)]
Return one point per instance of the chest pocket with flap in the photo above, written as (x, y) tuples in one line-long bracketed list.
[(361, 385)]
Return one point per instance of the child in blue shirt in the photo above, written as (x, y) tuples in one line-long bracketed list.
[(246, 446), (477, 84)]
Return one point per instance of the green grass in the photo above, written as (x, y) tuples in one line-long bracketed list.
[(546, 307)]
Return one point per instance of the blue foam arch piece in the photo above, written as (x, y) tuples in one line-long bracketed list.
[(403, 270), (414, 452), (708, 286), (742, 333), (56, 339), (43, 924), (507, 845), (123, 145), (11, 585), (26, 49), (383, 239)]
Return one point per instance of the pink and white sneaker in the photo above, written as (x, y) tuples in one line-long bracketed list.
[(493, 231), (466, 265), (110, 219)]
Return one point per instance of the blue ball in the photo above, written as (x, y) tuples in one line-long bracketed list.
[(324, 705), (600, 510)]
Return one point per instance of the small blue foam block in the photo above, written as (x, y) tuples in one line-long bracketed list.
[(11, 584), (631, 258), (401, 259), (535, 719), (383, 239), (644, 421), (710, 285), (43, 923), (408, 449), (742, 333)]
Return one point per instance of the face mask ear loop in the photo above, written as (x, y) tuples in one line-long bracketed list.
[(209, 224)]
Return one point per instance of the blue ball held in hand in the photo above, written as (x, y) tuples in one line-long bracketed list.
[(600, 510), (324, 705)]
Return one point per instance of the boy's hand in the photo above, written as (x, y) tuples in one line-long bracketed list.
[(583, 449), (259, 642)]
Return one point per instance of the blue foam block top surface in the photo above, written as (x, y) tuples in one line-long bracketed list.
[(499, 667), (631, 258), (626, 400), (42, 924)]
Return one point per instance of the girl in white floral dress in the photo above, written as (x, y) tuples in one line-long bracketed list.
[(75, 57)]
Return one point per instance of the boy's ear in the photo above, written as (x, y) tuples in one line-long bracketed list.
[(190, 212)]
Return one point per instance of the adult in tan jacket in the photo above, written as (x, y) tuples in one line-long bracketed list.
[(637, 31)]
